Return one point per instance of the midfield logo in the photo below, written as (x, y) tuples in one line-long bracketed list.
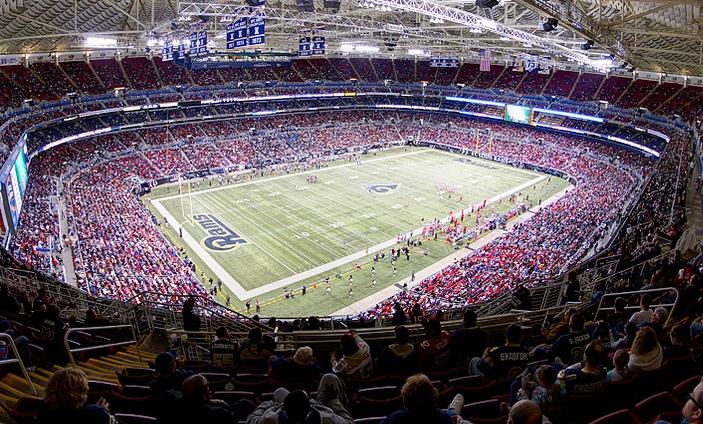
[(221, 238), (381, 188)]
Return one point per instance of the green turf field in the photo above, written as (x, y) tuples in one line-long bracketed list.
[(269, 234)]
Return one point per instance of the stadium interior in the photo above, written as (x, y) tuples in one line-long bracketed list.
[(106, 103)]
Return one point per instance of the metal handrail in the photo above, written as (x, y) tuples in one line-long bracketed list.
[(17, 360), (101, 346), (640, 293)]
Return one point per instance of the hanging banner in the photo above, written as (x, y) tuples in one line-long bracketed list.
[(237, 31), (318, 41), (167, 49), (257, 27), (304, 43)]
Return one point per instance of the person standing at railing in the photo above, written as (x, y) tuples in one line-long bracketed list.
[(191, 319)]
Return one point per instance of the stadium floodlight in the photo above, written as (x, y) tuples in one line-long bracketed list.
[(487, 4), (588, 45), (100, 42), (416, 52), (367, 49), (436, 11), (549, 25)]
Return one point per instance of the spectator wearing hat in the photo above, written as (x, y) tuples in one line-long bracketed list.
[(170, 378), (296, 407), (433, 352), (399, 358), (356, 362)]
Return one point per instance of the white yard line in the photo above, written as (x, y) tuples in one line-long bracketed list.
[(243, 294), (312, 171)]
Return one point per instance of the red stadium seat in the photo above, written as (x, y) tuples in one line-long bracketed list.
[(648, 409), (24, 410), (680, 391), (622, 416), (135, 419)]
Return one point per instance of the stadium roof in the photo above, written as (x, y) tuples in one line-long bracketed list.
[(660, 37)]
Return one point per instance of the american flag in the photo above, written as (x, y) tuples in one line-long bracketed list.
[(485, 61)]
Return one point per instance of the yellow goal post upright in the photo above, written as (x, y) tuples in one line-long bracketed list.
[(190, 199)]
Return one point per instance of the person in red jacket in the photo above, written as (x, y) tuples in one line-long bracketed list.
[(435, 350)]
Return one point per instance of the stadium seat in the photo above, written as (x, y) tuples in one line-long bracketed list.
[(137, 371), (466, 381), (130, 405), (622, 416), (680, 368), (484, 412), (135, 391), (217, 381), (134, 419), (292, 385), (369, 420), (232, 396), (443, 376), (24, 410), (670, 417), (102, 386), (257, 383), (477, 393), (622, 394), (680, 391), (195, 366), (579, 408), (648, 409), (231, 371), (650, 381), (134, 380), (375, 401)]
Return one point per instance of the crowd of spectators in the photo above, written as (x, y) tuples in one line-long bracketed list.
[(552, 241), (190, 147), (299, 141)]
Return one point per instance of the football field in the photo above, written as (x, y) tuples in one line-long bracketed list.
[(266, 235)]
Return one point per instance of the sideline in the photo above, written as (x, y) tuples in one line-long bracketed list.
[(370, 301)]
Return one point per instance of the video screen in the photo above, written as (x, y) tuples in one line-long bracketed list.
[(518, 114)]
